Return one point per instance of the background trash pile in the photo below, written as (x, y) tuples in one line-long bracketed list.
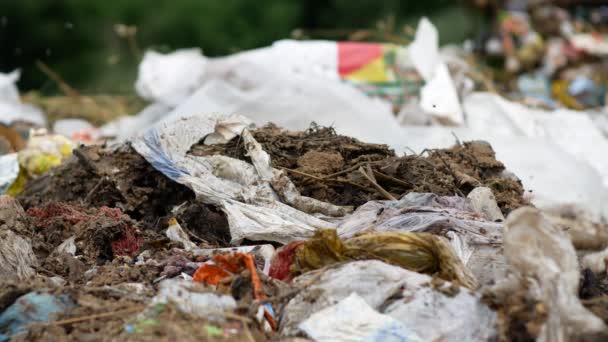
[(320, 190)]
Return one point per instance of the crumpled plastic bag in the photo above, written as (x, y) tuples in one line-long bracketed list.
[(419, 252), (248, 194), (538, 253)]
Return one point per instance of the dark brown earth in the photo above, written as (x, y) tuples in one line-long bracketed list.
[(325, 166)]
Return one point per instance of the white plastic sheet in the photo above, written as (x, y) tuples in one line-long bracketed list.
[(352, 319)]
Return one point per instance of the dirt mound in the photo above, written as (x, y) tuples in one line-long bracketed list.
[(120, 178), (337, 169), (95, 177), (99, 234)]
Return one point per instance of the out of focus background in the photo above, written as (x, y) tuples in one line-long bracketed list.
[(96, 45)]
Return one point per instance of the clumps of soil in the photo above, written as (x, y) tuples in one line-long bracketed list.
[(100, 233), (329, 167), (117, 178), (96, 177), (206, 224)]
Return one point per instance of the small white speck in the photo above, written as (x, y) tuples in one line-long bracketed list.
[(68, 25), (48, 52), (3, 21)]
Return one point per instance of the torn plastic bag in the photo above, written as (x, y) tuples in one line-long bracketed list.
[(462, 315), (538, 252), (476, 241), (372, 280), (31, 308), (419, 252), (244, 192), (190, 299), (11, 107), (352, 319), (169, 79)]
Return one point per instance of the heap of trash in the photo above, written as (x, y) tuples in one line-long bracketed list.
[(316, 191)]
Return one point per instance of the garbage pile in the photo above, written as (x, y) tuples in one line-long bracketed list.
[(361, 192)]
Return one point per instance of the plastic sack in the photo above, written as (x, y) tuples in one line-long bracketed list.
[(170, 78), (245, 192), (419, 252), (352, 319), (536, 251)]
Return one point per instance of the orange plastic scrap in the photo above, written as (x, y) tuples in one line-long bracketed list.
[(210, 274), (227, 264)]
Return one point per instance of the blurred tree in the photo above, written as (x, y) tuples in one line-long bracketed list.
[(77, 38)]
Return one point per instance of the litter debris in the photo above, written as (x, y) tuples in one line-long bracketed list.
[(319, 190)]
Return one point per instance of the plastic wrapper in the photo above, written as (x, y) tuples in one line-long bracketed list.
[(538, 252)]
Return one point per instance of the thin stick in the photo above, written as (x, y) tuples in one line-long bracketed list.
[(96, 316), (55, 77), (391, 179), (377, 186)]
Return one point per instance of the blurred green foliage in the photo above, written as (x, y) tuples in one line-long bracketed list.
[(78, 40)]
